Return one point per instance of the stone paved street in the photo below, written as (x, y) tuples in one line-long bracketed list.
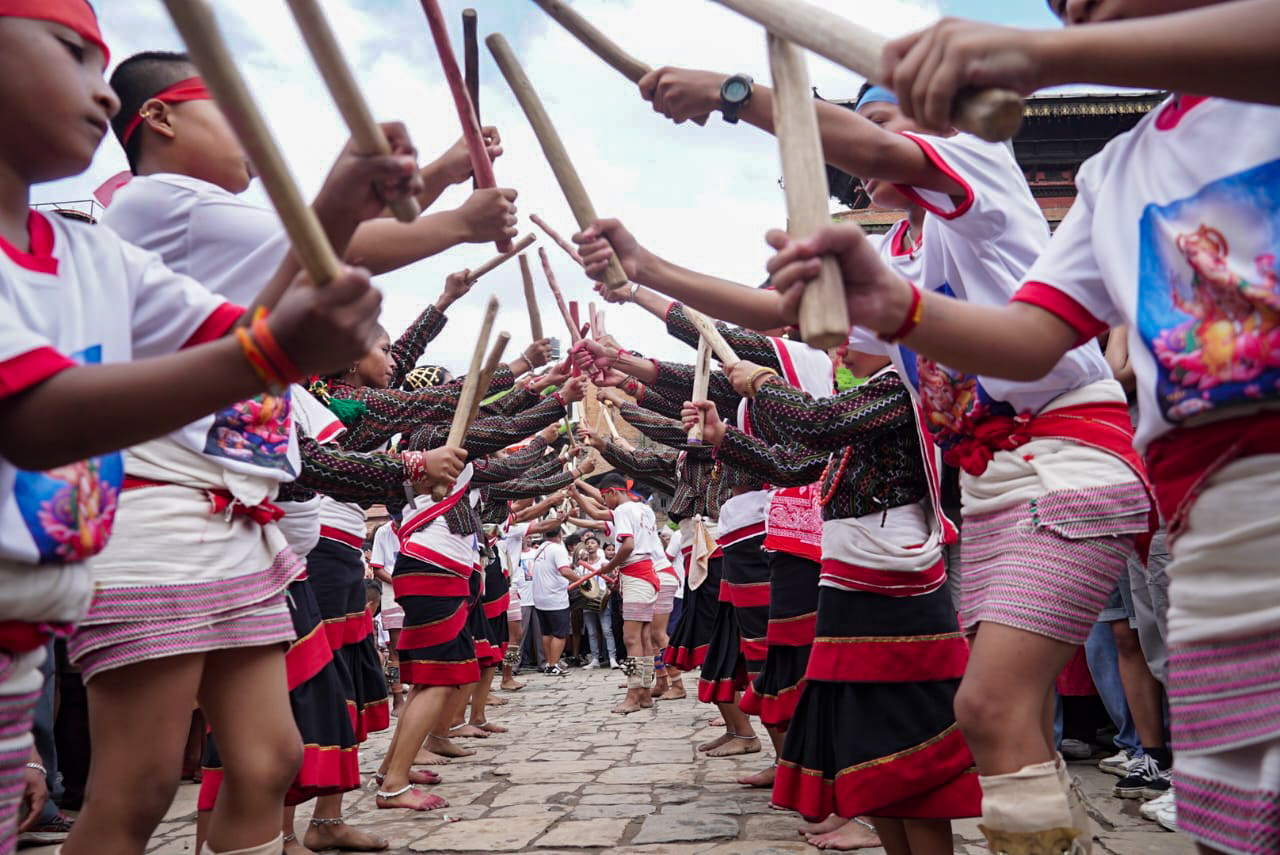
[(571, 777)]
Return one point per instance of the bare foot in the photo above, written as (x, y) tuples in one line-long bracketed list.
[(762, 779), (851, 835), (736, 745), (424, 776), (467, 731), (342, 836), (295, 847), (831, 823), (412, 800), (495, 701), (444, 747), (429, 758), (512, 685), (628, 705), (674, 692), (660, 688), (493, 728), (716, 743), (646, 699), (718, 721)]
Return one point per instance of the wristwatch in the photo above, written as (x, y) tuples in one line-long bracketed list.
[(735, 93)]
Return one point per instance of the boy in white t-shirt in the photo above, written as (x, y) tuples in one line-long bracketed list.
[(552, 571), (79, 306)]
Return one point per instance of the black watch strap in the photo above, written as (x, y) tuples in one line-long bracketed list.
[(730, 104)]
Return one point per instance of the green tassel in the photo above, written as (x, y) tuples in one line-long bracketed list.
[(845, 379), (348, 412)]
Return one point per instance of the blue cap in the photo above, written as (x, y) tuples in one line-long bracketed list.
[(874, 94)]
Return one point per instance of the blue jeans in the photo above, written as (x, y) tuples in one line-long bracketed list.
[(597, 627), (1100, 650)]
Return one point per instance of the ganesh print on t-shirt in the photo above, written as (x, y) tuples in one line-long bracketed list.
[(1208, 301), (952, 401), (69, 510)]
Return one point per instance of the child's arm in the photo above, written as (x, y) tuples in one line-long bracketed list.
[(408, 349), (46, 396), (454, 166), (1224, 49), (849, 141), (1018, 341)]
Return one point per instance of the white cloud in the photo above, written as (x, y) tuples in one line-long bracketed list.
[(702, 197)]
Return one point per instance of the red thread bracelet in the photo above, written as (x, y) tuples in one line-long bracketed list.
[(915, 312), (285, 370)]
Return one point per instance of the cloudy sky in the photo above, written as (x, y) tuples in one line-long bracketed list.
[(702, 197)]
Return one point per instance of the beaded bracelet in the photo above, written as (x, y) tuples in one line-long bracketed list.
[(271, 349), (915, 311), (268, 361), (415, 465), (41, 769)]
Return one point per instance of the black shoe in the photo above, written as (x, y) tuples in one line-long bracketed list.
[(1146, 780)]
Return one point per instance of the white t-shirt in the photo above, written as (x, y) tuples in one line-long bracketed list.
[(636, 520), (550, 588), (232, 248), (79, 296), (978, 249), (674, 546), (522, 578), (383, 555), (1175, 233)]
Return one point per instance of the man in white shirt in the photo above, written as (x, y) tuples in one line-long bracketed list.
[(552, 573), (599, 624)]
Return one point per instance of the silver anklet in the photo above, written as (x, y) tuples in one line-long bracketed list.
[(320, 821)]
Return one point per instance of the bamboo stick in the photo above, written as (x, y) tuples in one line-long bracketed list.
[(530, 298), (575, 335), (501, 258), (470, 389), (715, 340), (701, 380)]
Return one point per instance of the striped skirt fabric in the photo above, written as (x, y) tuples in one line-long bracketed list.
[(874, 732), (692, 633), (666, 596), (488, 651), (336, 572), (435, 647), (1230, 800), (737, 648), (325, 719), (21, 684), (793, 609), (497, 606), (638, 598), (1047, 567)]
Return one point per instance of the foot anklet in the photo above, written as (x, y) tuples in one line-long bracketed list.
[(320, 821), (400, 792)]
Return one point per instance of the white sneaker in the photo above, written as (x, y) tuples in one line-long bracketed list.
[(593, 665), (613, 663), (1167, 817), (1150, 809), (1117, 764)]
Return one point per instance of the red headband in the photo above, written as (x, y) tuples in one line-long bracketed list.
[(76, 14), (191, 89)]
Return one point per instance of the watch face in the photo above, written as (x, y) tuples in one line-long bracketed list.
[(736, 90)]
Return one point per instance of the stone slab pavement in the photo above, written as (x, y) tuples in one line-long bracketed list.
[(570, 777)]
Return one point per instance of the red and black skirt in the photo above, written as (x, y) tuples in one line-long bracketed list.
[(874, 733), (497, 596), (488, 652), (737, 649), (435, 647), (793, 613), (336, 571), (330, 762), (687, 648)]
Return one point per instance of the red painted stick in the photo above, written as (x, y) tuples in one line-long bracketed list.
[(574, 335), (555, 236), (480, 163)]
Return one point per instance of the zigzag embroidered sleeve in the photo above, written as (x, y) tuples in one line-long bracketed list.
[(651, 399), (655, 466), (749, 345), (675, 382), (849, 418), (409, 348), (491, 433), (668, 432), (350, 476), (788, 465), (524, 488), (519, 398)]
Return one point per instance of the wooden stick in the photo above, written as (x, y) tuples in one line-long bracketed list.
[(552, 147), (715, 340), (491, 365), (326, 52), (555, 236), (593, 318), (530, 298), (470, 390), (471, 58), (199, 29), (824, 314), (591, 575), (481, 166), (701, 380), (608, 420), (993, 114), (574, 335), (598, 43), (501, 258)]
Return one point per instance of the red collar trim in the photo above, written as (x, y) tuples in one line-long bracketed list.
[(39, 259), (899, 247), (1171, 114)]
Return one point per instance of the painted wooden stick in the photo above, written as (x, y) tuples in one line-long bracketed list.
[(481, 166), (824, 314), (471, 58), (707, 329), (552, 147), (701, 380), (501, 258), (574, 335), (993, 114), (530, 298), (470, 389), (598, 43), (207, 49), (326, 52), (591, 575), (555, 236)]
